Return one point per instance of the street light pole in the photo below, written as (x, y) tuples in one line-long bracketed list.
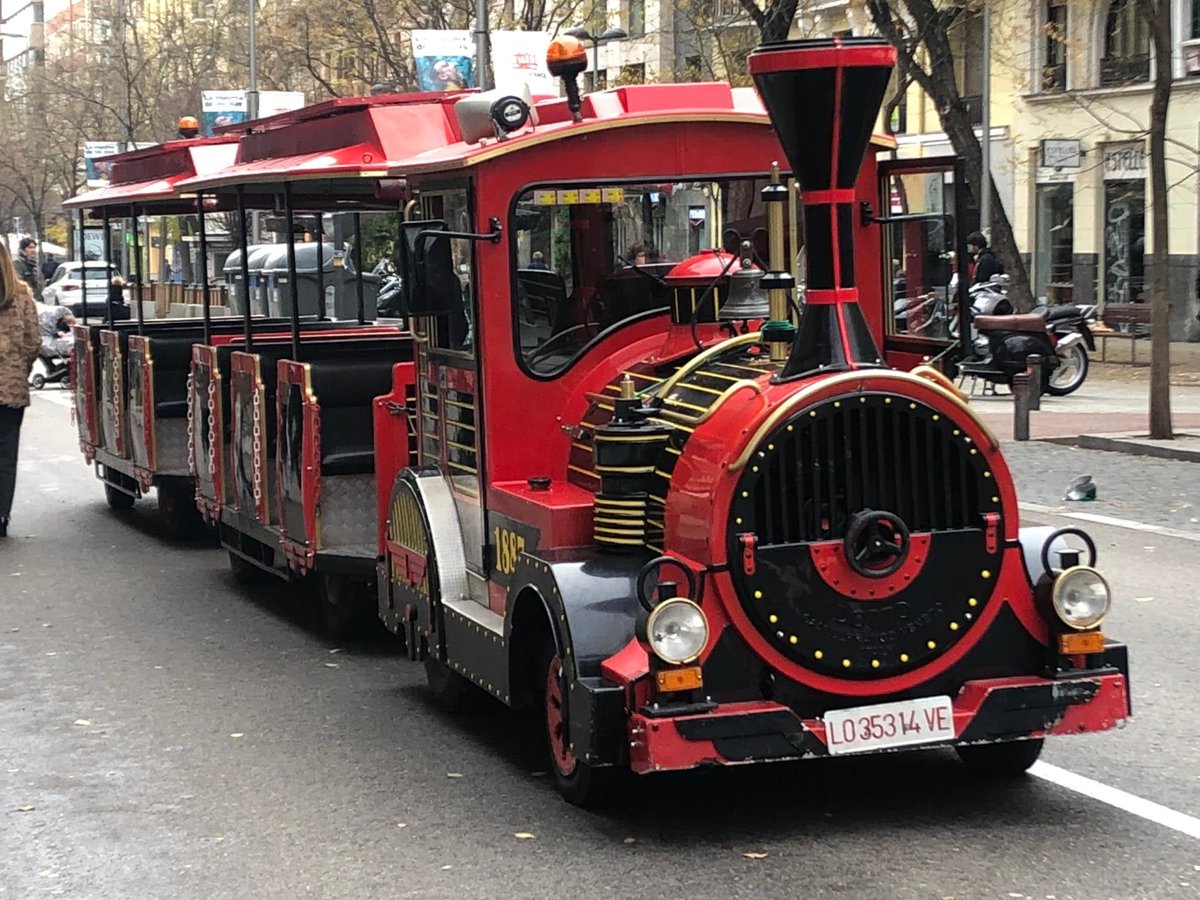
[(609, 34), (985, 180), (252, 94)]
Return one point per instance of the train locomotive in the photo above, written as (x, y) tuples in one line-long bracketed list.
[(617, 464), (794, 550)]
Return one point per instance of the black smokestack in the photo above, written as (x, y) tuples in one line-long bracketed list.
[(823, 97)]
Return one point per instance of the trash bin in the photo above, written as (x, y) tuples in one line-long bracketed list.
[(306, 279), (232, 271), (347, 295), (275, 272)]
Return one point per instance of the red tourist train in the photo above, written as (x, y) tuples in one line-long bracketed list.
[(616, 472)]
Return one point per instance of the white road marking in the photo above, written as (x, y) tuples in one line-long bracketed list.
[(1146, 809), (1098, 519)]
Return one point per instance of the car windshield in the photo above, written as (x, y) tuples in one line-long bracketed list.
[(94, 275)]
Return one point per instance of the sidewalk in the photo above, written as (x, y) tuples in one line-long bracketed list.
[(1114, 399)]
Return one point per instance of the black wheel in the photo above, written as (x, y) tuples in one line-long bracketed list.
[(580, 783), (1071, 372), (178, 513), (1010, 759), (245, 572), (347, 606), (117, 499), (453, 692), (38, 381)]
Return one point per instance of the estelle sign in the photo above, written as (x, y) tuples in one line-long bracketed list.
[(1123, 161)]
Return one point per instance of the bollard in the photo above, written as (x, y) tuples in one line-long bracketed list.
[(1021, 393), (1035, 380)]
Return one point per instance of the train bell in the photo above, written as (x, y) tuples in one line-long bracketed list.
[(747, 300)]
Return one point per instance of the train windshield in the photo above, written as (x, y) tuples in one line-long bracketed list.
[(591, 258)]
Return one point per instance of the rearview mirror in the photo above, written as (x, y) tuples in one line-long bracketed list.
[(410, 299), (436, 289)]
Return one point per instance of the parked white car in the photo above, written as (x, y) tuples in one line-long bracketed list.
[(66, 288)]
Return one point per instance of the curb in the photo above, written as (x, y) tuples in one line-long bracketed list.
[(1138, 445)]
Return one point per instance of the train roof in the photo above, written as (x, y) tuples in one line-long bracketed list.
[(394, 135), (153, 174)]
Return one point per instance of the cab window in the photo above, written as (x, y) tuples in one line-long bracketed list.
[(455, 331), (591, 258), (918, 254)]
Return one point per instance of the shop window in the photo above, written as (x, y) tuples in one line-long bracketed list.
[(1126, 57), (590, 259), (1124, 240), (1052, 264), (1054, 71)]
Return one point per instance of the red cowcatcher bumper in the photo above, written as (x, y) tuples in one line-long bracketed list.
[(984, 711)]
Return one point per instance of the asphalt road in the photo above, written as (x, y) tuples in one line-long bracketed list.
[(165, 733)]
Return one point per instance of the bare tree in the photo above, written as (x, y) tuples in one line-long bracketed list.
[(922, 32)]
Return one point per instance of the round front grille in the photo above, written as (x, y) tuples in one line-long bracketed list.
[(864, 536)]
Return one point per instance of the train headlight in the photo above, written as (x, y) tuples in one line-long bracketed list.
[(1081, 597), (677, 631)]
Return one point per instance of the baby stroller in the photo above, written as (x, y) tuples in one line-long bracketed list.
[(53, 363)]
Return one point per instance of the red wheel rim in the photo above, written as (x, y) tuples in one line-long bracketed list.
[(556, 729)]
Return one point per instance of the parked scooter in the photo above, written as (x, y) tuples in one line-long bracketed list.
[(1071, 334), (1002, 346)]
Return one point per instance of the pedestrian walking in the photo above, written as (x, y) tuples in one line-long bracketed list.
[(27, 265), (20, 338)]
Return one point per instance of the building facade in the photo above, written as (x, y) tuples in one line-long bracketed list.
[(1083, 209)]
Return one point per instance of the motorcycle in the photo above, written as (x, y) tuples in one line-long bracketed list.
[(1070, 332), (1001, 348), (53, 363)]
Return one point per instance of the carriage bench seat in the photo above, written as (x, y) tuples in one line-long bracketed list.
[(344, 389)]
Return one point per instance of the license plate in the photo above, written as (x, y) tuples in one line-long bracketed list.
[(924, 721)]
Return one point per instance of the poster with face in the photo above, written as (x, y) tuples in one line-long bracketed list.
[(444, 60)]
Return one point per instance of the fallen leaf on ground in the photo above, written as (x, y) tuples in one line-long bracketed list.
[(454, 774), (1142, 599), (629, 840), (753, 855), (523, 836), (82, 722), (13, 630), (24, 809), (401, 824), (336, 650), (238, 734), (331, 665), (52, 653), (537, 774), (444, 868)]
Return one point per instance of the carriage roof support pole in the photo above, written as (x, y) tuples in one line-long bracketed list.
[(358, 284), (137, 284), (83, 271), (205, 300), (961, 255), (108, 300), (245, 265), (289, 217), (321, 267)]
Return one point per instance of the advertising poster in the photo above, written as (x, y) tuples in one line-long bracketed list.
[(519, 58), (445, 60), (221, 108), (97, 172), (272, 103)]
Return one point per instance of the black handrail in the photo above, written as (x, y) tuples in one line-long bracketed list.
[(290, 222), (137, 256), (207, 302), (245, 266)]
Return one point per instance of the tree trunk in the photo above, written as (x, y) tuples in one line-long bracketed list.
[(937, 78), (1160, 277)]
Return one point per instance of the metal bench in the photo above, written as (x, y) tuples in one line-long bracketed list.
[(1129, 322)]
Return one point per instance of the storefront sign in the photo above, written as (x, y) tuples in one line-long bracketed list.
[(1061, 154), (1124, 161)]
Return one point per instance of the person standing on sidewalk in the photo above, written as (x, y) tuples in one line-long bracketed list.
[(27, 266), (20, 338)]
